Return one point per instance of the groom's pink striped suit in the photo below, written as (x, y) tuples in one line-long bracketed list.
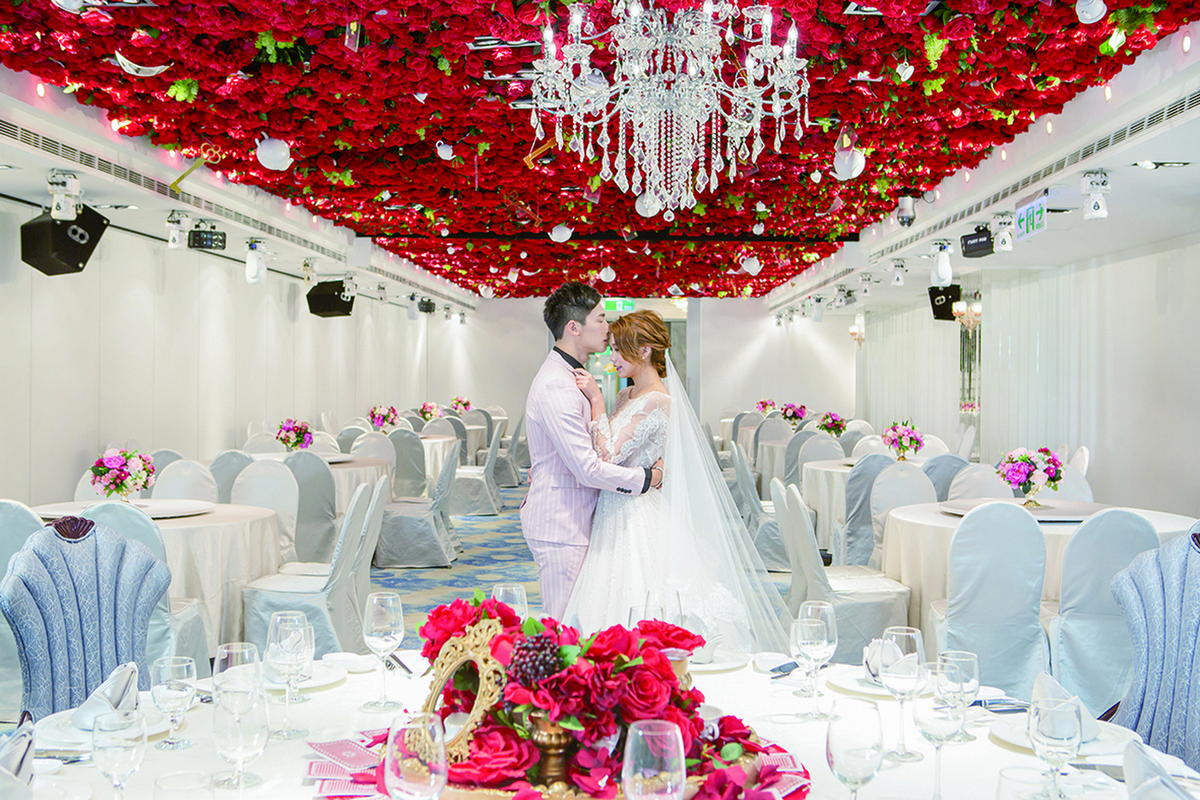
[(565, 480)]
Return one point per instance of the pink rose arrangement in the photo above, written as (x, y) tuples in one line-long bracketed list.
[(383, 415), (429, 410), (833, 424), (903, 438), (295, 434), (461, 404), (764, 406), (121, 472), (1029, 471), (793, 413)]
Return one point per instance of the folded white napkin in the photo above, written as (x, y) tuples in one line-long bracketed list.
[(16, 763), (1159, 789), (119, 692), (873, 658), (1046, 688)]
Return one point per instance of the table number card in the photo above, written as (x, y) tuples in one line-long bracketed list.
[(346, 753)]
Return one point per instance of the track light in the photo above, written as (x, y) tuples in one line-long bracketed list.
[(1095, 186), (382, 290), (446, 312), (65, 191), (462, 318), (308, 271), (1004, 232), (256, 261), (818, 308), (898, 270), (940, 273), (349, 288), (177, 225)]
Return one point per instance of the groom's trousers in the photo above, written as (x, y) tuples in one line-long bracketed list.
[(558, 565)]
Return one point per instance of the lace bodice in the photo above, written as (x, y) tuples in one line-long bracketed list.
[(636, 433)]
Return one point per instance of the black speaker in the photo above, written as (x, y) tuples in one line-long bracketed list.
[(61, 246), (942, 300), (325, 300)]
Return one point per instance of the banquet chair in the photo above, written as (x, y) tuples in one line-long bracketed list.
[(994, 595), (323, 599), (162, 459), (865, 602), (499, 419), (855, 540), (772, 429), (1159, 594), (439, 426), (859, 425), (477, 416), (255, 426), (516, 448), (899, 484), (360, 570), (78, 608), (359, 422), (416, 531), (408, 478), (724, 460), (1080, 459), (316, 516), (818, 447), (225, 468), (849, 440), (941, 471), (1090, 651), (967, 444), (372, 522), (791, 457), (375, 445), (416, 421), (263, 443), (460, 430), (1073, 486), (323, 442), (760, 518), (934, 446), (177, 624), (403, 423), (956, 437), (17, 522), (977, 481), (871, 443), (85, 491), (743, 420), (812, 424), (185, 480), (270, 484), (349, 434), (327, 423), (447, 411), (475, 490), (506, 471)]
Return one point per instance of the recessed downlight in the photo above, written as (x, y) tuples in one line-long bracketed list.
[(1161, 164)]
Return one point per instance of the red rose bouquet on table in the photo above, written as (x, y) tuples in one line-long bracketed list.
[(122, 472), (903, 437), (383, 415), (833, 424), (430, 410), (764, 406), (793, 413), (295, 434)]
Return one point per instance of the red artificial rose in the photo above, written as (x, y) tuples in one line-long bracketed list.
[(606, 687), (613, 642), (502, 647), (656, 661), (570, 688), (960, 28), (664, 635), (444, 622), (494, 609), (596, 771), (498, 755), (647, 695)]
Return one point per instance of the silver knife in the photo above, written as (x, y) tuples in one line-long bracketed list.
[(64, 756), (395, 659), (1111, 770)]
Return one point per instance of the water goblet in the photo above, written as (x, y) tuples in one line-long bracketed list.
[(968, 665), (237, 674), (939, 715), (383, 630), (118, 746), (854, 743), (240, 733), (653, 767), (1055, 730), (813, 643), (900, 674), (173, 687), (288, 654), (513, 596), (663, 606), (294, 695), (414, 765)]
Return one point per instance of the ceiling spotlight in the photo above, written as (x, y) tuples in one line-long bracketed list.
[(177, 225), (865, 279), (1095, 186), (818, 308), (65, 191), (940, 273), (791, 314), (308, 271), (349, 288), (1090, 12), (462, 318), (446, 311), (256, 261), (382, 290), (779, 320), (906, 210), (898, 270)]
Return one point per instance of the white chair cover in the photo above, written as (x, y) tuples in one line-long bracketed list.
[(349, 434), (859, 426), (934, 446), (517, 448), (439, 426), (460, 430), (360, 570), (271, 484), (1080, 459), (791, 457), (162, 459), (499, 420), (360, 422), (967, 444), (225, 468), (1073, 486), (811, 425), (323, 442), (849, 440), (941, 471), (176, 624), (255, 426), (408, 477), (1090, 650), (316, 518), (507, 472), (855, 540), (447, 411), (899, 484), (85, 491), (772, 429), (403, 423), (978, 480), (327, 423), (760, 519), (416, 421), (819, 447), (375, 445), (17, 522), (867, 445), (957, 437), (415, 534), (997, 567), (186, 480), (475, 490), (477, 416), (263, 443)]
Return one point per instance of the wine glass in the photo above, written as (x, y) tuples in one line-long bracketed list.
[(414, 766), (663, 606), (940, 715), (900, 674), (240, 733), (813, 643), (288, 654), (294, 695), (237, 674), (968, 664), (1055, 732), (854, 743), (118, 746), (513, 596), (653, 767), (383, 630), (173, 687), (183, 786)]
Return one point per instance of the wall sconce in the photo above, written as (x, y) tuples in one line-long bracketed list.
[(858, 331), (968, 314)]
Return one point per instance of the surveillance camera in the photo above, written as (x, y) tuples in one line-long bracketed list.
[(906, 211)]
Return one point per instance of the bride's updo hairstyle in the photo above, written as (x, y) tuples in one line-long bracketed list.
[(632, 332)]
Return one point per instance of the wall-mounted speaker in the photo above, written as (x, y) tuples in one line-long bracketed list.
[(325, 300), (61, 246)]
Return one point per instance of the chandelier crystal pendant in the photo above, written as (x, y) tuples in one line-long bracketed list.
[(687, 99)]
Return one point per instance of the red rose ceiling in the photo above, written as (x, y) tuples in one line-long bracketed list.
[(363, 124)]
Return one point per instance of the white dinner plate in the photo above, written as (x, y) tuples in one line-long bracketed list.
[(323, 674), (169, 509), (1111, 741), (852, 681), (723, 661), (1050, 510), (57, 787), (336, 458), (352, 662), (57, 730)]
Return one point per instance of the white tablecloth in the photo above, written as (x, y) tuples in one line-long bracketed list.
[(726, 432), (437, 450), (349, 474), (823, 486), (499, 425), (770, 464), (476, 440)]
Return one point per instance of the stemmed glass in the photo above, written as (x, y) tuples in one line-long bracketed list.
[(968, 664), (383, 630), (237, 675), (513, 596), (173, 687), (289, 651), (940, 715), (653, 767), (900, 674), (414, 766), (240, 732), (813, 643), (663, 606), (1055, 732), (294, 695), (118, 746), (854, 743)]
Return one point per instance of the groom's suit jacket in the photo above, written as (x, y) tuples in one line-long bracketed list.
[(566, 474)]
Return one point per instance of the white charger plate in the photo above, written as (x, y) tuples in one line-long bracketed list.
[(723, 661), (1111, 741), (855, 683), (352, 662), (56, 787), (323, 674), (57, 730)]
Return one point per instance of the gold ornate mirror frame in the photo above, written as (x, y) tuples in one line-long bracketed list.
[(473, 647)]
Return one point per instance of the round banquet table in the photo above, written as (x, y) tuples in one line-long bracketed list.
[(476, 440), (212, 556), (347, 475), (499, 425), (437, 449), (770, 464), (823, 486)]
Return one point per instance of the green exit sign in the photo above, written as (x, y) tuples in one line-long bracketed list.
[(1031, 216), (620, 304)]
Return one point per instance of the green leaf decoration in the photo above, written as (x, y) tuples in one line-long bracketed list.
[(935, 48), (532, 627), (569, 653), (184, 90), (731, 752), (932, 86)]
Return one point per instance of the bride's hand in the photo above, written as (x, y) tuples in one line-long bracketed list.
[(587, 384)]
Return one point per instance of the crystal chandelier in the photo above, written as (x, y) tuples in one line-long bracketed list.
[(686, 100)]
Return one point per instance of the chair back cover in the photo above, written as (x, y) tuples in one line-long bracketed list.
[(518, 446), (271, 484), (263, 443), (1089, 621), (416, 421), (17, 522), (818, 447), (1080, 459), (316, 517), (899, 484), (772, 429), (934, 446), (360, 570), (1073, 486), (941, 471), (78, 608), (439, 426), (327, 423), (162, 459), (477, 416), (791, 457), (812, 424), (978, 480), (859, 426), (323, 442), (1159, 594), (997, 567), (85, 491), (856, 540), (849, 440), (956, 437), (870, 443), (968, 443), (375, 445), (349, 434), (816, 579), (186, 480), (225, 468), (408, 478), (349, 537), (255, 426), (489, 465), (359, 422), (447, 411), (403, 423), (788, 533), (460, 430), (746, 420), (711, 439), (443, 490)]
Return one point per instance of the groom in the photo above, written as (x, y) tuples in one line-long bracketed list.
[(566, 475)]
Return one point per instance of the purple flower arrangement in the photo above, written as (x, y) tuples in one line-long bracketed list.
[(429, 411), (1029, 471), (121, 472), (764, 406), (793, 413), (383, 415), (903, 438), (461, 404), (295, 434), (833, 424)]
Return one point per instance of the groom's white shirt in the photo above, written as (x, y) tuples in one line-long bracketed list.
[(565, 479)]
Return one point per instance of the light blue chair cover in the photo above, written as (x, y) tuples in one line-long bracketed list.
[(416, 421), (478, 416), (759, 516), (176, 626), (408, 478), (997, 568), (855, 539), (460, 430), (517, 447), (347, 435), (771, 429), (1090, 653), (316, 517), (78, 609), (899, 484), (162, 459), (976, 481), (941, 471), (417, 532), (1159, 594), (850, 438), (185, 480), (225, 469), (508, 470), (475, 490), (791, 457), (1073, 486), (17, 522), (351, 605)]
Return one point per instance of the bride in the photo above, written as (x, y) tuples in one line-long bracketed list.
[(683, 551)]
